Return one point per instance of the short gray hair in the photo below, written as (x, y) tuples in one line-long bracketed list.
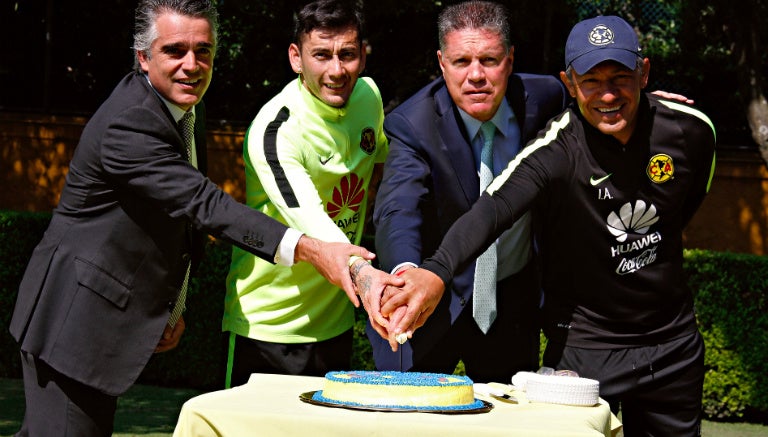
[(148, 11), (474, 15)]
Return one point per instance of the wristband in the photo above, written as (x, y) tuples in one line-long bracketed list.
[(353, 259), (400, 273)]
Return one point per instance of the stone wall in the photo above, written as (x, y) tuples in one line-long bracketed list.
[(35, 151)]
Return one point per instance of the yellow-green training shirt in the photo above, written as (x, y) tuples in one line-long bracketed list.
[(308, 165)]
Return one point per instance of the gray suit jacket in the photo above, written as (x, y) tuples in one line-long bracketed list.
[(98, 290)]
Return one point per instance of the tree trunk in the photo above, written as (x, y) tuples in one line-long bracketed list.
[(757, 107), (757, 116)]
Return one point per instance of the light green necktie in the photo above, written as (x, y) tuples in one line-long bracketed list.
[(484, 294)]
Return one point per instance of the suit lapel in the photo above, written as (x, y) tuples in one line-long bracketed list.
[(455, 145), (518, 100), (200, 139)]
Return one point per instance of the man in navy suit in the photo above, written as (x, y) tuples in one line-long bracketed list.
[(101, 290), (431, 178)]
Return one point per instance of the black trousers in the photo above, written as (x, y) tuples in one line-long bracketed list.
[(658, 388), (247, 356), (57, 405), (510, 345)]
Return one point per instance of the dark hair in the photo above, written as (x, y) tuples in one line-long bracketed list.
[(474, 15), (148, 11), (328, 14)]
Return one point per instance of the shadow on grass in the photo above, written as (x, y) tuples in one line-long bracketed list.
[(143, 410), (146, 409), (11, 406)]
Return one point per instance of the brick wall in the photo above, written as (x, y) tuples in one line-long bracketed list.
[(734, 215), (35, 151)]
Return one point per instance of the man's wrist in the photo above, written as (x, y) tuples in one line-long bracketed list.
[(402, 267), (285, 254), (356, 264)]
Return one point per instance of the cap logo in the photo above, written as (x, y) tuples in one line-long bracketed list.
[(600, 35)]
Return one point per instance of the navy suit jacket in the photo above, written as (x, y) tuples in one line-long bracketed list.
[(99, 287), (430, 179)]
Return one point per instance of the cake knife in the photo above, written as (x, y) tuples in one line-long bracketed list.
[(494, 392), (401, 339)]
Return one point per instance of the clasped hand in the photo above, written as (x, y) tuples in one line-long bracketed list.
[(397, 304)]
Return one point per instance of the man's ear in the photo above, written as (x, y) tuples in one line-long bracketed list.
[(440, 61), (645, 73), (568, 84), (363, 53), (294, 57), (143, 60)]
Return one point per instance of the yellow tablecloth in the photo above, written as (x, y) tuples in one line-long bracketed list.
[(269, 405)]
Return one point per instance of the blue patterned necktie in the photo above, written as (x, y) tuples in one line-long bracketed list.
[(484, 294), (187, 127)]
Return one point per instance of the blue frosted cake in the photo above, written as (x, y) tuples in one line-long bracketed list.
[(398, 390)]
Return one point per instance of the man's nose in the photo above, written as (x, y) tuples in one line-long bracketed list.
[(476, 72), (189, 62), (609, 92), (336, 68)]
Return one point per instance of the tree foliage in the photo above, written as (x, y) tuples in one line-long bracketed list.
[(727, 43), (66, 57)]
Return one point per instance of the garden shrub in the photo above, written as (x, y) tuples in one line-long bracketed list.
[(730, 293), (19, 234)]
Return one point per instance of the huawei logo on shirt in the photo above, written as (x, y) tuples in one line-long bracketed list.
[(348, 195), (636, 218), (642, 249)]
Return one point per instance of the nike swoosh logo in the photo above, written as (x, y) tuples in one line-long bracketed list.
[(595, 182), (325, 161)]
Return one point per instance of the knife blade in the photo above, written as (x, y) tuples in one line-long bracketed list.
[(401, 339)]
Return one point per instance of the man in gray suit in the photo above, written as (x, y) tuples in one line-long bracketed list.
[(104, 289)]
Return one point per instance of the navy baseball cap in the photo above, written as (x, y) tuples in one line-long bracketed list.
[(599, 39)]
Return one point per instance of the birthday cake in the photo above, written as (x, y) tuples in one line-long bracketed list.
[(398, 390)]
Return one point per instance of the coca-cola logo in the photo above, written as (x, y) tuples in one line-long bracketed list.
[(630, 265)]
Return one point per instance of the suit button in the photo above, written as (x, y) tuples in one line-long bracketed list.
[(253, 240)]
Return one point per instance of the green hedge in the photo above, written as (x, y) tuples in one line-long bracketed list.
[(19, 234), (732, 307), (731, 292)]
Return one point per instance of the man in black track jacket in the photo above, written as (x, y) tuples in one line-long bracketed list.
[(613, 181)]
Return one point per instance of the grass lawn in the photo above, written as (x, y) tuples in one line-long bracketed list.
[(152, 411), (142, 411)]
